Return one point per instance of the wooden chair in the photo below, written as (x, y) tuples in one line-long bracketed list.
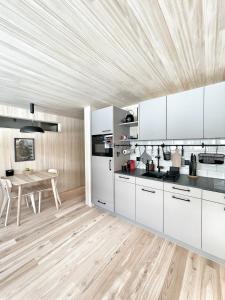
[(9, 195), (48, 188)]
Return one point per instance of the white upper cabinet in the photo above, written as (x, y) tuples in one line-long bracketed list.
[(152, 119), (102, 121), (185, 115), (214, 111)]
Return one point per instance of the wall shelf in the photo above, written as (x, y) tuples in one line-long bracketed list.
[(129, 140), (130, 124)]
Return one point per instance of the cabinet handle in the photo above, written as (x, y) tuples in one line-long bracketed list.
[(187, 200), (153, 192), (185, 190), (110, 165), (124, 177), (106, 130), (101, 202)]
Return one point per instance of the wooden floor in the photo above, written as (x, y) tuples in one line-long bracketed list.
[(85, 253)]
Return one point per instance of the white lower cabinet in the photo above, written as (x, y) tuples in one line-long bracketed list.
[(125, 198), (182, 218), (185, 217), (213, 228), (149, 207)]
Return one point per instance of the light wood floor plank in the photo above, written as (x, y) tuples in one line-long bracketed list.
[(86, 253)]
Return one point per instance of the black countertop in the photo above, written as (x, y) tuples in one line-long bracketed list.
[(204, 183)]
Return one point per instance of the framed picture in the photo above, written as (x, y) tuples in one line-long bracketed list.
[(24, 149)]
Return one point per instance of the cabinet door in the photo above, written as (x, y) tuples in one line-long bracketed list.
[(185, 115), (149, 207), (152, 119), (125, 199), (102, 182), (102, 121), (182, 218), (213, 228), (214, 111)]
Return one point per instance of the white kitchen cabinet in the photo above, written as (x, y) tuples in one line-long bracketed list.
[(152, 119), (125, 199), (182, 218), (102, 121), (214, 111), (103, 182), (213, 228), (149, 207), (185, 115)]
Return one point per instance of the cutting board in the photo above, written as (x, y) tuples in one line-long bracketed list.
[(176, 159)]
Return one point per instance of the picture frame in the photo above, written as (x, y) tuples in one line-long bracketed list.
[(24, 149)]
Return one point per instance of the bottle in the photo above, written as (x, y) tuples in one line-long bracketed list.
[(191, 165), (194, 167), (152, 166), (147, 166)]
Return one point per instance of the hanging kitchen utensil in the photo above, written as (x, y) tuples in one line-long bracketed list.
[(166, 154), (211, 158), (176, 159), (182, 156)]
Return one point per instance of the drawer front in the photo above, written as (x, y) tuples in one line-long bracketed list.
[(125, 178), (213, 196), (149, 207), (182, 189), (150, 183), (182, 218), (108, 205)]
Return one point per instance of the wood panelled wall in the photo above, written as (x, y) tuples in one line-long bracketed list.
[(63, 150)]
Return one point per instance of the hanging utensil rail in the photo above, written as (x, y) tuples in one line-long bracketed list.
[(203, 145)]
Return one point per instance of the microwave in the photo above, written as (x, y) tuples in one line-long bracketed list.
[(102, 145)]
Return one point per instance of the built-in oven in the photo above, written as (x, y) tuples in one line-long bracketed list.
[(102, 145)]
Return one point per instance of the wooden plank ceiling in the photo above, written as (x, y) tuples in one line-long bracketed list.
[(65, 54)]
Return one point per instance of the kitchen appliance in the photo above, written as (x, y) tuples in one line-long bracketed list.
[(9, 172), (102, 145), (131, 165), (211, 158)]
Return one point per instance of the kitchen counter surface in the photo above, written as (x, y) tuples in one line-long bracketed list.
[(204, 183)]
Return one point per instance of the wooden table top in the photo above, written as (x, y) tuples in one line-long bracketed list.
[(22, 179)]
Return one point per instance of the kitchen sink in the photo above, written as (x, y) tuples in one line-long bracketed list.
[(154, 174)]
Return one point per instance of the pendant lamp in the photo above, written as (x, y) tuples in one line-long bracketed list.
[(32, 127)]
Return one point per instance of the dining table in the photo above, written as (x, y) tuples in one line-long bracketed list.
[(20, 181)]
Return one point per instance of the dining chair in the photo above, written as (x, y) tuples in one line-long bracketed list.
[(9, 195), (47, 188)]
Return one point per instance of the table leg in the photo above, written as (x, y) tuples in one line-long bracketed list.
[(55, 193), (19, 204)]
